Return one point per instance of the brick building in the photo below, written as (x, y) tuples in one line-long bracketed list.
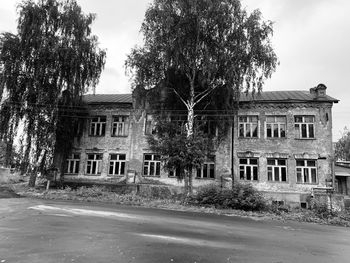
[(281, 142)]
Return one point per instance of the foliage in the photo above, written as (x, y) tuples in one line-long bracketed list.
[(241, 196), (198, 56), (342, 146), (178, 152), (52, 52)]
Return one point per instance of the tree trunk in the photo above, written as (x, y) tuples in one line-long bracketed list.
[(32, 178), (33, 174)]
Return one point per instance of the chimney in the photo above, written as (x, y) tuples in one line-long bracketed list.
[(318, 92)]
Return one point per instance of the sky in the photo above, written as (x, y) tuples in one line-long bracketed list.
[(311, 39)]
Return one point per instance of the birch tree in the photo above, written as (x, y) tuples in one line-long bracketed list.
[(213, 44), (53, 51)]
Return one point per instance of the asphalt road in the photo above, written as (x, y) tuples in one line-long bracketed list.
[(49, 231)]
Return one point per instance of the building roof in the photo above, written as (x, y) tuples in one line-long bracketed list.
[(284, 96), (107, 98), (265, 96), (340, 170)]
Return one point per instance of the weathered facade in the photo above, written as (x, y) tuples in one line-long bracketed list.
[(281, 142)]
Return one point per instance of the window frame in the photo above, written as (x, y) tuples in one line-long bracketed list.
[(149, 125), (72, 161), (306, 171), (207, 169), (244, 167), (98, 162), (248, 125), (276, 168), (117, 164), (98, 125), (299, 130), (153, 164), (279, 126), (116, 124)]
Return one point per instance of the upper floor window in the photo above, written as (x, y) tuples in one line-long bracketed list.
[(277, 170), (72, 163), (306, 171), (151, 165), (304, 127), (207, 170), (276, 126), (120, 126), (117, 164), (98, 126), (248, 126), (248, 169), (150, 125), (94, 164)]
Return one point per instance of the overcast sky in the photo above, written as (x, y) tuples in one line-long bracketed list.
[(311, 39)]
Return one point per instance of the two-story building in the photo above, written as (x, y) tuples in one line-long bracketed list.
[(280, 141)]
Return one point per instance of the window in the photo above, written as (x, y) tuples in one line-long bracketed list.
[(306, 171), (151, 165), (120, 126), (276, 126), (117, 164), (248, 126), (150, 125), (277, 170), (94, 164), (97, 126), (207, 170), (248, 169), (304, 127), (72, 164)]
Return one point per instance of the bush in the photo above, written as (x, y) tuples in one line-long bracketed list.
[(242, 196), (322, 210)]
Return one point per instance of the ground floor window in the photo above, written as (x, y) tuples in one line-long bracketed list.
[(151, 165), (248, 169), (72, 163), (94, 164), (207, 170), (117, 164), (277, 170), (306, 171)]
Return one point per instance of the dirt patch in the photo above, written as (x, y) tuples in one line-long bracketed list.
[(6, 192)]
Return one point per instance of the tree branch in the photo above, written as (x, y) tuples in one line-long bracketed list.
[(183, 101)]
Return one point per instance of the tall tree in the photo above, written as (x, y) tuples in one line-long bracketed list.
[(342, 146), (197, 48), (52, 52)]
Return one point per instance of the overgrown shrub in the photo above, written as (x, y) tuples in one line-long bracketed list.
[(322, 210), (241, 196)]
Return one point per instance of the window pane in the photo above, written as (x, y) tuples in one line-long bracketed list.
[(299, 180), (283, 130), (249, 171), (205, 170), (298, 119), (122, 156), (122, 168), (241, 173), (277, 173), (311, 163), (275, 130), (281, 119), (158, 168), (270, 119), (255, 173), (243, 161), (306, 175), (270, 162), (253, 161), (247, 130), (212, 171), (281, 162), (111, 168), (309, 119), (255, 130), (300, 163), (241, 130), (114, 157), (284, 174), (148, 157), (268, 130), (151, 168), (269, 173), (303, 131), (311, 131), (313, 175)]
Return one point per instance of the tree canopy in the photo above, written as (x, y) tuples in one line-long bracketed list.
[(342, 146), (53, 51), (201, 54)]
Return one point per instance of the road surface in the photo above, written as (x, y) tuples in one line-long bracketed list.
[(53, 231)]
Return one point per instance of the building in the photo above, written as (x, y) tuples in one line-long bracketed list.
[(281, 142)]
